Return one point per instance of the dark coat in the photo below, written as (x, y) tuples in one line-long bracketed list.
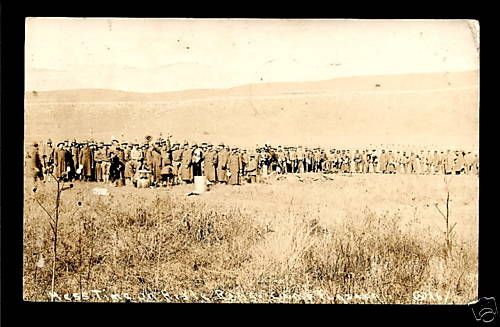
[(234, 166), (86, 160), (222, 157), (211, 165), (60, 162)]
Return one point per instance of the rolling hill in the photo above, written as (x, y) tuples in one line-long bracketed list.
[(435, 109)]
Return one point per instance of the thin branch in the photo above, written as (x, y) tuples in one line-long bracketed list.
[(452, 227), (442, 214), (44, 209)]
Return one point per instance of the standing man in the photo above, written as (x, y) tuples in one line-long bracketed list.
[(86, 161), (459, 163), (48, 159), (293, 159), (60, 161), (156, 162), (383, 162), (75, 158), (70, 163), (35, 163), (99, 158), (105, 164), (234, 167), (252, 169), (196, 159), (222, 159), (475, 165), (186, 164), (357, 162), (211, 164), (301, 156), (166, 163), (391, 163), (449, 162), (176, 162)]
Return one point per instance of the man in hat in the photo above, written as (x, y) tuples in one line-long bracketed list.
[(197, 159), (166, 163), (252, 169), (364, 161), (131, 166), (176, 162), (156, 162), (210, 164), (245, 157), (114, 165), (433, 162), (391, 163), (324, 160), (186, 164), (301, 156), (468, 158), (449, 162), (99, 158), (349, 161), (357, 161), (281, 160), (60, 161), (35, 163), (234, 167), (75, 155), (70, 162), (106, 163), (293, 159), (48, 159), (222, 159), (86, 161), (459, 162), (383, 162), (373, 163), (475, 165)]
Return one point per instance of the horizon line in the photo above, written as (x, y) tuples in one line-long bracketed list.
[(257, 83)]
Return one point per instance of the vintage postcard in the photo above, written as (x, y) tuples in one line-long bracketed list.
[(251, 160)]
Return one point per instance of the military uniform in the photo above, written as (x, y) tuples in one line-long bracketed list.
[(252, 169), (60, 162), (86, 162), (222, 159), (234, 167), (176, 162), (99, 158), (35, 163), (48, 158), (210, 167), (186, 168)]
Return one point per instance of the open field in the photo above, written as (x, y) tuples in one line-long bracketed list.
[(301, 238)]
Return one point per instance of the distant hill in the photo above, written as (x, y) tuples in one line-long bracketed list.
[(426, 109)]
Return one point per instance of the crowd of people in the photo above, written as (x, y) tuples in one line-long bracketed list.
[(161, 162)]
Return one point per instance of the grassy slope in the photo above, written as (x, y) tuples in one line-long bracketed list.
[(281, 241)]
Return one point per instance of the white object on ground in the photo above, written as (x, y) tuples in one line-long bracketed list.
[(200, 184), (100, 191)]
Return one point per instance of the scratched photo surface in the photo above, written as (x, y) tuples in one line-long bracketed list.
[(251, 161)]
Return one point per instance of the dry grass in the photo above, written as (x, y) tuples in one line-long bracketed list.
[(281, 241)]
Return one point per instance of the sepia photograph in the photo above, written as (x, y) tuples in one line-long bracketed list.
[(314, 161)]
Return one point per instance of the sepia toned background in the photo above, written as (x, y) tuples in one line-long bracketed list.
[(246, 82)]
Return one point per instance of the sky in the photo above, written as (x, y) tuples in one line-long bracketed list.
[(156, 55)]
